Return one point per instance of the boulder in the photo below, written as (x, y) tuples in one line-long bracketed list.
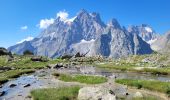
[(5, 68), (96, 93), (3, 51), (51, 65), (39, 59)]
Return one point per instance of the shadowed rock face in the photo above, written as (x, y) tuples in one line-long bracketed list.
[(85, 34)]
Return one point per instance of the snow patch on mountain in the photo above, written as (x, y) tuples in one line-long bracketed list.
[(152, 41), (26, 39), (84, 41), (148, 29)]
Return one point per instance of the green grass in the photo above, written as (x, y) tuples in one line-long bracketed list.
[(150, 85), (24, 62), (5, 76), (65, 93), (159, 71), (81, 78), (3, 60)]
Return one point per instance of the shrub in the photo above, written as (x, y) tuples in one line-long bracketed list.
[(27, 52)]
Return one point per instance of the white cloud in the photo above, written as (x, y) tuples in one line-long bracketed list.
[(26, 39), (63, 15), (44, 23), (24, 27)]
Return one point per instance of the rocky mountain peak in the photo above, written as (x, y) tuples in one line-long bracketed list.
[(86, 33), (144, 31), (114, 23), (82, 12)]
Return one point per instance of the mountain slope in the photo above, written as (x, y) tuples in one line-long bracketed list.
[(162, 44), (144, 31)]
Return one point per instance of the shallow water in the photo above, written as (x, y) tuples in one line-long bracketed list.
[(118, 74)]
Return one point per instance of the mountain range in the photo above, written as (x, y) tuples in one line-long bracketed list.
[(88, 34)]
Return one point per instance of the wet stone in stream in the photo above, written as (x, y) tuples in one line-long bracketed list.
[(27, 85), (12, 85), (2, 93)]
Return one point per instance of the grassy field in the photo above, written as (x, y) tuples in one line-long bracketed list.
[(150, 85), (24, 62), (81, 78), (65, 93)]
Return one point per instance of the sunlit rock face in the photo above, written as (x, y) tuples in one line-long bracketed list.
[(88, 34)]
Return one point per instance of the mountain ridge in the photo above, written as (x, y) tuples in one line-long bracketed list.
[(86, 33)]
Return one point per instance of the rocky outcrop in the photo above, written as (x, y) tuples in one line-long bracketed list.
[(4, 51), (144, 31)]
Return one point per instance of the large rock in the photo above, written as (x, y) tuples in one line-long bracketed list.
[(3, 51), (95, 93)]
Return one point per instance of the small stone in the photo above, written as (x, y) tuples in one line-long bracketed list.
[(111, 92), (27, 85), (2, 93), (100, 99), (127, 93), (12, 85), (19, 94), (29, 96)]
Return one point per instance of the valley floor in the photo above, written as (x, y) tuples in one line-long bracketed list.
[(117, 79)]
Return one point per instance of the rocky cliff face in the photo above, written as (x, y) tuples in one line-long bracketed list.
[(144, 31), (85, 34)]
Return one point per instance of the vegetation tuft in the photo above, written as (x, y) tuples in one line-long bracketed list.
[(65, 93), (150, 85), (81, 78)]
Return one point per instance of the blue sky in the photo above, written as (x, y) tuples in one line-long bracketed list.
[(19, 19)]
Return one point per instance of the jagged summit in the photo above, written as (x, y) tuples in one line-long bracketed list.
[(145, 31), (114, 23)]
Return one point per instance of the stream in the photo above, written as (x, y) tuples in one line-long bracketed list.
[(43, 79)]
